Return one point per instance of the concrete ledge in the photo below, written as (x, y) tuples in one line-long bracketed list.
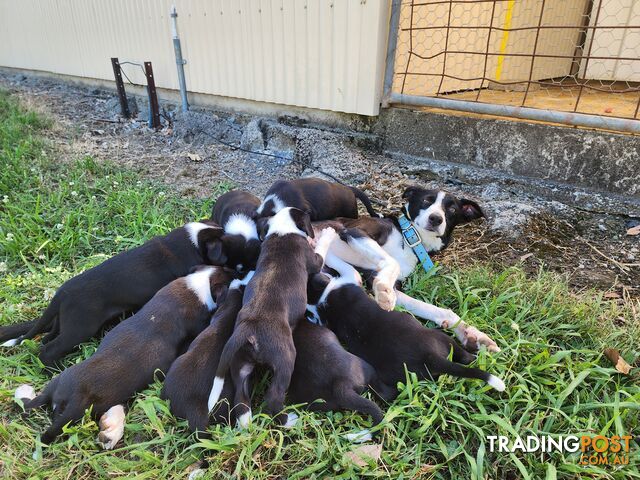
[(605, 162)]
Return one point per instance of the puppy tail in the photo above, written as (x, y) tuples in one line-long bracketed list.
[(360, 195), (235, 343), (44, 323), (457, 370)]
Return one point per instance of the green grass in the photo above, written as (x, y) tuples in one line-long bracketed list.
[(558, 381)]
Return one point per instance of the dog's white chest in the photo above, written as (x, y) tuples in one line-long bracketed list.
[(405, 257)]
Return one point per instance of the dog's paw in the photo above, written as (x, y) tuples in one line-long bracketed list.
[(292, 419), (111, 427), (244, 420), (472, 339), (385, 295), (197, 473), (24, 392), (447, 319)]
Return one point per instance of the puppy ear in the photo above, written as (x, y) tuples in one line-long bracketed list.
[(303, 221), (470, 210), (409, 192), (215, 252), (262, 226)]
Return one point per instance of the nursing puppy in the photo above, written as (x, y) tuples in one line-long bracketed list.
[(132, 351), (323, 200), (236, 212), (84, 304), (389, 340), (274, 301), (190, 377), (325, 371)]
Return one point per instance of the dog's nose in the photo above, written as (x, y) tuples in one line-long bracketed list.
[(435, 219)]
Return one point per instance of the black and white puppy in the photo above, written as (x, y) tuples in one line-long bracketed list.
[(84, 304), (274, 301), (323, 200), (236, 212), (389, 340), (132, 351), (325, 371), (190, 377), (377, 245)]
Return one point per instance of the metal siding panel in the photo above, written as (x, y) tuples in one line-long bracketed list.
[(314, 53)]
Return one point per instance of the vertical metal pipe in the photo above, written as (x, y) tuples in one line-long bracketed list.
[(179, 60), (392, 44)]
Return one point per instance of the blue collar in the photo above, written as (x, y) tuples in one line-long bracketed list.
[(412, 239)]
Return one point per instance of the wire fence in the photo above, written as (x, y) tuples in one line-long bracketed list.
[(579, 56)]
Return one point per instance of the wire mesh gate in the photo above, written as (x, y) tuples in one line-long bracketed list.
[(567, 61)]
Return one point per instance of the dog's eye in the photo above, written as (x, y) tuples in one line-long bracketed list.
[(452, 209)]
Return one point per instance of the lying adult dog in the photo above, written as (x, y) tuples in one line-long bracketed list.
[(190, 377), (389, 341), (86, 303), (236, 212), (131, 352), (380, 245), (274, 301), (323, 200)]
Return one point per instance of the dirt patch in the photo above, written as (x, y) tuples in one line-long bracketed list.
[(195, 151)]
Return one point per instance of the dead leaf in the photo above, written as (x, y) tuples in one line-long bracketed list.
[(525, 256), (363, 454), (620, 363), (611, 295), (194, 157), (634, 230)]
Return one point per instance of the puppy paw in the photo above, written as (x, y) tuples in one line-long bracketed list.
[(197, 473), (385, 295), (472, 339), (292, 419), (111, 427), (24, 393), (244, 420)]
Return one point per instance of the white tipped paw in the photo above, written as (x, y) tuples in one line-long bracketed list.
[(385, 295), (11, 343), (111, 427), (292, 419), (24, 392), (244, 420), (197, 473), (359, 437), (473, 339)]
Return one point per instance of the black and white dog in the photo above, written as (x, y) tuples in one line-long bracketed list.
[(323, 200), (388, 340), (130, 354), (378, 245), (84, 304), (236, 212), (274, 302)]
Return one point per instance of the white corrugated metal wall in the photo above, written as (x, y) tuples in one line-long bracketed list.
[(325, 54)]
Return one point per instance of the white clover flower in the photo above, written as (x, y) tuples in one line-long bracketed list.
[(41, 256), (115, 184), (3, 266), (93, 197), (59, 226), (5, 198), (10, 237), (71, 184), (119, 238), (74, 194), (515, 326), (48, 293), (161, 194)]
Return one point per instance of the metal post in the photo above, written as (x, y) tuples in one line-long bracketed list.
[(154, 111), (392, 43), (179, 60), (122, 94)]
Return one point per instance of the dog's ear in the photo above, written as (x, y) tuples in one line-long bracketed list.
[(262, 226), (470, 210), (212, 249), (409, 192), (302, 220), (316, 285)]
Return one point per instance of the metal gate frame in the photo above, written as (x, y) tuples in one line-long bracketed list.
[(526, 113)]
